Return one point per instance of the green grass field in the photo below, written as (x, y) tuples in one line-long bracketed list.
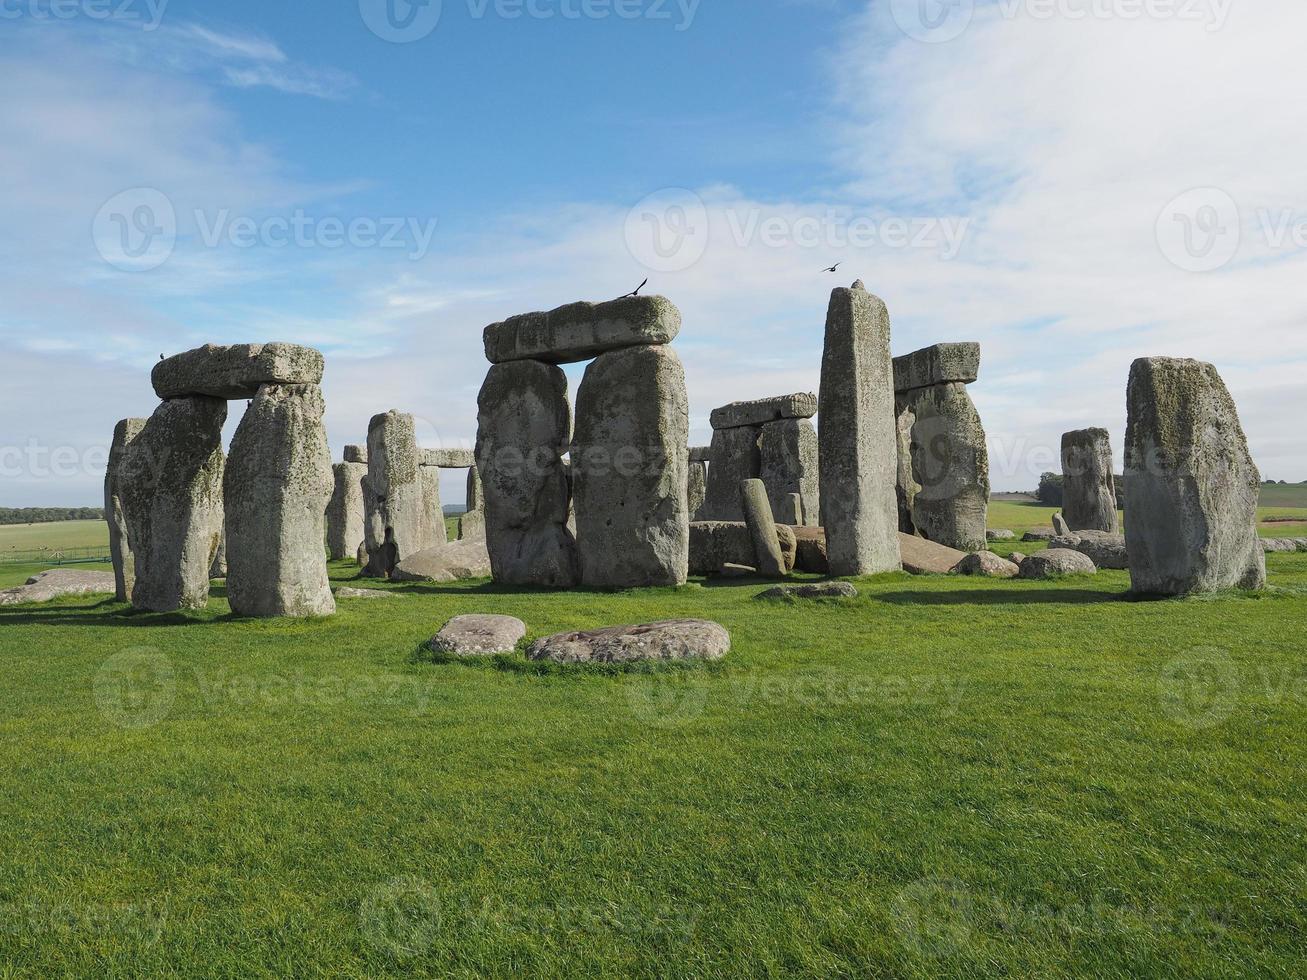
[(943, 777), (53, 537)]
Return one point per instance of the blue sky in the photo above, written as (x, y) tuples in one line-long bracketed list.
[(1069, 182)]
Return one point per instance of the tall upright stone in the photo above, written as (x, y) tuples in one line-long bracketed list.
[(345, 512), (433, 512), (696, 485), (788, 451), (950, 467), (472, 525), (1191, 516), (120, 549), (1088, 484), (170, 484), (629, 470), (523, 429), (277, 487), (735, 455), (394, 495), (857, 446)]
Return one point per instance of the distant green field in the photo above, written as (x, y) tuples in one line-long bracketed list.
[(65, 534), (1291, 495)]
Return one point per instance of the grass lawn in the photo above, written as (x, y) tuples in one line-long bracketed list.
[(54, 536), (943, 777)]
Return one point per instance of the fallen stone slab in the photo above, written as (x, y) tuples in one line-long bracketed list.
[(45, 586), (762, 529), (580, 331), (1270, 545), (987, 565), (1105, 549), (999, 534), (922, 557), (1055, 563), (356, 454), (479, 635), (715, 544), (802, 405), (237, 371), (347, 592), (1016, 557), (447, 459), (453, 562), (732, 570), (1039, 534), (936, 365), (819, 590), (673, 639)]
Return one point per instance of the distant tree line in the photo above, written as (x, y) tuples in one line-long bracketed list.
[(49, 515)]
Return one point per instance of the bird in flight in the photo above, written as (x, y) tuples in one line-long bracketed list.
[(636, 291), (834, 268)]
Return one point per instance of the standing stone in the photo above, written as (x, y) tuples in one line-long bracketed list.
[(170, 483), (434, 533), (218, 567), (950, 467), (907, 487), (356, 454), (858, 449), (523, 426), (394, 496), (762, 528), (345, 512), (788, 454), (120, 550), (1192, 485), (1088, 486), (278, 484), (629, 470), (696, 487), (472, 525), (736, 455), (791, 512)]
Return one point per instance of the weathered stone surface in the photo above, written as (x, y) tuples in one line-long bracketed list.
[(394, 494), (453, 562), (810, 550), (346, 592), (986, 564), (948, 495), (819, 590), (1062, 529), (236, 372), (696, 488), (120, 550), (922, 557), (45, 586), (735, 455), (345, 511), (937, 365), (700, 454), (1000, 534), (858, 455), (788, 466), (1016, 557), (1192, 485), (1055, 563), (1088, 486), (448, 459), (356, 454), (218, 566), (789, 510), (524, 424), (479, 635), (762, 529), (1272, 545), (732, 570), (472, 525), (277, 487), (1039, 534), (170, 483), (434, 532), (802, 405), (580, 331), (629, 481), (715, 544), (674, 639), (362, 556), (1104, 549)]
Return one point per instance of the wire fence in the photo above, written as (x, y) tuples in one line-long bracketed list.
[(51, 556)]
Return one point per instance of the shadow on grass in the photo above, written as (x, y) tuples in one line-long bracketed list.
[(1001, 597), (106, 613)]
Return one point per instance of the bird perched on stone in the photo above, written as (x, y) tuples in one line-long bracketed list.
[(161, 357)]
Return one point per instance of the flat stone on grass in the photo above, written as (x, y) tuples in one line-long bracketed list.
[(818, 590), (673, 639), (1055, 563), (479, 635)]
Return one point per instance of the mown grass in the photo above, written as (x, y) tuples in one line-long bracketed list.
[(943, 777), (54, 536)]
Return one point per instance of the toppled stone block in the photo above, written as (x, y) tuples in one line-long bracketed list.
[(453, 562), (580, 331), (57, 583), (762, 529), (675, 639), (937, 365), (1056, 563), (716, 544), (802, 405), (818, 590), (236, 372), (922, 557), (987, 565), (479, 635)]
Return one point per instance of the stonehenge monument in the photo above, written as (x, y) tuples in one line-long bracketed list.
[(771, 439), (120, 549), (1192, 486), (857, 454), (943, 464), (627, 478), (762, 528), (1088, 485), (186, 506), (346, 516)]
